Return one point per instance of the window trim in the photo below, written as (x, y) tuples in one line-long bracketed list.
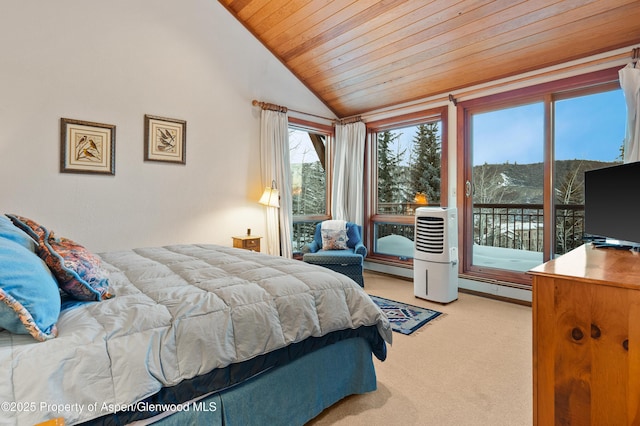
[(371, 167)]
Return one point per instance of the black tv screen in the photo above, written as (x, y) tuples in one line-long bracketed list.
[(612, 203)]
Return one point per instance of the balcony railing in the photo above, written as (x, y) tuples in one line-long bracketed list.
[(569, 227), (303, 232), (515, 226), (402, 209), (521, 226)]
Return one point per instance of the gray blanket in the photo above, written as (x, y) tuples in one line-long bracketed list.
[(178, 312)]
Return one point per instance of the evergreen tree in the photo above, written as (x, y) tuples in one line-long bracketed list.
[(425, 167), (389, 184), (313, 192)]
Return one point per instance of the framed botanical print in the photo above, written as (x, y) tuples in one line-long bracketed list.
[(87, 147), (165, 139)]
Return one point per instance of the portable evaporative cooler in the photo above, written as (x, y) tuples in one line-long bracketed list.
[(435, 261)]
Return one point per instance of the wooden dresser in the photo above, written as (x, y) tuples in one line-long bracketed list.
[(586, 336)]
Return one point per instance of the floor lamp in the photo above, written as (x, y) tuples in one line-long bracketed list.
[(271, 198)]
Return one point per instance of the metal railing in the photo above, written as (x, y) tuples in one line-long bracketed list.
[(516, 226), (569, 227), (303, 232), (402, 209), (521, 226)]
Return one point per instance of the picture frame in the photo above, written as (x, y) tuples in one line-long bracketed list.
[(165, 139), (87, 147)]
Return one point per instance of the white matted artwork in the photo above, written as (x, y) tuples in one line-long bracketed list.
[(165, 139), (87, 147)]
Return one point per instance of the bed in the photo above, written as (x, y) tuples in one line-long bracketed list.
[(179, 334)]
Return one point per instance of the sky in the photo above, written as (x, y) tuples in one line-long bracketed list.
[(588, 127), (300, 147), (405, 140)]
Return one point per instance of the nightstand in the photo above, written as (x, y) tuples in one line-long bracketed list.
[(247, 242)]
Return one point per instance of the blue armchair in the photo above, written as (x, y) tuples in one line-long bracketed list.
[(349, 261)]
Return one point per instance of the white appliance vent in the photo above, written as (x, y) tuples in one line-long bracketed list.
[(430, 234)]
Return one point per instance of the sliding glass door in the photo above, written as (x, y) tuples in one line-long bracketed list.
[(507, 177), (588, 135), (525, 154)]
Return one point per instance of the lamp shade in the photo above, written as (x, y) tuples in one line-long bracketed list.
[(270, 197), (421, 198)]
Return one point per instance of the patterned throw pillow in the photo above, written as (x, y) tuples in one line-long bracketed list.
[(334, 239), (79, 272)]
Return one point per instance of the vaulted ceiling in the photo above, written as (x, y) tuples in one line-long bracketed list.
[(361, 55)]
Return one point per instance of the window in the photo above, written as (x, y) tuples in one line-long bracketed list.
[(308, 156), (525, 154), (407, 157), (588, 134)]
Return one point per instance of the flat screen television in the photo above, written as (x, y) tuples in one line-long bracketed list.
[(612, 204)]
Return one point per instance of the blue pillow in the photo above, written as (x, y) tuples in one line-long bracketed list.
[(11, 232), (29, 295)]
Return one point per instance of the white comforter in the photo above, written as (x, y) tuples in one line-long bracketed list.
[(178, 311)]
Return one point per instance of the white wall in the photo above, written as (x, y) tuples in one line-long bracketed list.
[(113, 62)]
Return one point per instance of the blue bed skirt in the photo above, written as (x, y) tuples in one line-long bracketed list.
[(288, 395)]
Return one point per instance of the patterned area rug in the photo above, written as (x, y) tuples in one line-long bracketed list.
[(405, 318)]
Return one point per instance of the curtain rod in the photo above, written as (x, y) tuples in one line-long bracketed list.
[(348, 120), (274, 107), (270, 107)]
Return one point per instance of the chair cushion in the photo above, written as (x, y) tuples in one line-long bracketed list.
[(339, 257)]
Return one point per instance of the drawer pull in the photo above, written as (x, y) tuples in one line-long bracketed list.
[(577, 334), (625, 344), (595, 331)]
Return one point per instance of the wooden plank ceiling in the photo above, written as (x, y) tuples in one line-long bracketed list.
[(362, 55)]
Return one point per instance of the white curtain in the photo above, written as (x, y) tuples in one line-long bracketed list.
[(348, 171), (630, 83), (274, 159)]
